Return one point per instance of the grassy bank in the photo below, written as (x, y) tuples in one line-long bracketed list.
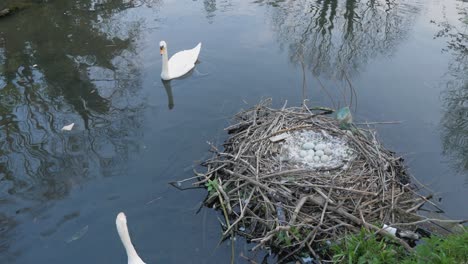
[(366, 247)]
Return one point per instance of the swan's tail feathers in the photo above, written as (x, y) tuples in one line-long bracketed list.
[(196, 51)]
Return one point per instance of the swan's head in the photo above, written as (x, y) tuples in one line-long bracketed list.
[(121, 222), (121, 219), (162, 47)]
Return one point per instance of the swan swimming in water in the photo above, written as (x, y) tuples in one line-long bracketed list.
[(121, 223), (179, 64)]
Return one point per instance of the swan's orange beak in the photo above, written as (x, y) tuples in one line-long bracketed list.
[(161, 49)]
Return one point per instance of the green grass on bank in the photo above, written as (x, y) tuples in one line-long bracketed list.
[(366, 247)]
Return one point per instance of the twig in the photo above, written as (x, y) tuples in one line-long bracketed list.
[(432, 220)]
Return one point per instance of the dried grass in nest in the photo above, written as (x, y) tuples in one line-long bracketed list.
[(298, 209)]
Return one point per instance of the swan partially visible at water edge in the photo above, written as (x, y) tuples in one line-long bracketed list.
[(122, 229), (179, 64)]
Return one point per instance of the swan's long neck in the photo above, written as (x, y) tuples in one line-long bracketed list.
[(165, 63), (125, 237)]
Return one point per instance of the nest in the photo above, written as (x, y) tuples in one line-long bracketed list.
[(292, 209)]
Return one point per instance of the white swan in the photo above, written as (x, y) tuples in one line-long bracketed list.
[(121, 223), (180, 63)]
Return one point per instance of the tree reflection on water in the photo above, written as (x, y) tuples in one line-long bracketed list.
[(73, 62), (455, 118), (333, 37)]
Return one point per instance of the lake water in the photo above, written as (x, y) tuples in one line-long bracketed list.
[(96, 63)]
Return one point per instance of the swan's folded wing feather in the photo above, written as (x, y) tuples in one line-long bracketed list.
[(183, 61)]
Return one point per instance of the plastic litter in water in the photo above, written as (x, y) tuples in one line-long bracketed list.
[(344, 115), (315, 150), (389, 229)]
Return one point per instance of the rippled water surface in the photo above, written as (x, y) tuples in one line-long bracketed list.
[(96, 63)]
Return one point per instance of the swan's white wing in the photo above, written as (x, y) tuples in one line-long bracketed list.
[(183, 61)]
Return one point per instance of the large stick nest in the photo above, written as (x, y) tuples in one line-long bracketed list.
[(276, 204)]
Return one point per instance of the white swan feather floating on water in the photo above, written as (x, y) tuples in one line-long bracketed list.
[(180, 63), (122, 229)]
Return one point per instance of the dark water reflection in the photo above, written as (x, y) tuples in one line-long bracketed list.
[(52, 80), (61, 67), (455, 97), (170, 97), (95, 63)]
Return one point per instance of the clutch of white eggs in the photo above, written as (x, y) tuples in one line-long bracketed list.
[(313, 152)]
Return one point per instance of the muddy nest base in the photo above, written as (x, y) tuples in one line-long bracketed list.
[(275, 195)]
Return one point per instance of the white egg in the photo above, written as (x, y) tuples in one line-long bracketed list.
[(311, 152), (302, 153), (310, 158), (308, 145), (316, 158), (320, 146), (319, 153), (327, 151), (325, 158)]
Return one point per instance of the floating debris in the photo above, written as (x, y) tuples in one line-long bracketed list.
[(391, 230), (78, 234), (154, 200), (68, 127), (344, 117), (5, 12)]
